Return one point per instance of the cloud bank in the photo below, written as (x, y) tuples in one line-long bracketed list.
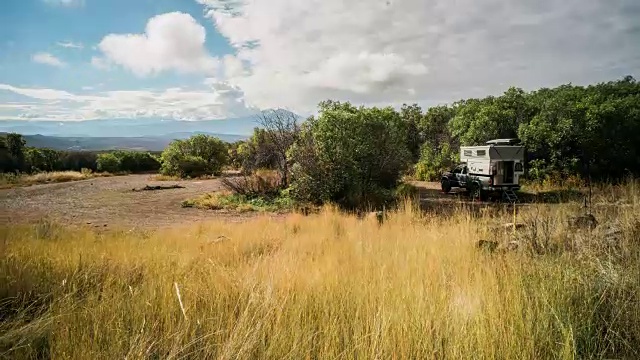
[(293, 54), (211, 101), (389, 51)]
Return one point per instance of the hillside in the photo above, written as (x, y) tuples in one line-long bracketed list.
[(150, 143)]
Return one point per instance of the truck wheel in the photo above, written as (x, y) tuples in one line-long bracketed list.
[(446, 186), (475, 192)]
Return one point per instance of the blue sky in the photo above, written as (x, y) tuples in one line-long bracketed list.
[(67, 60), (33, 26)]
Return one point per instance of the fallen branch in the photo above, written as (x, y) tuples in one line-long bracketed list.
[(159, 187)]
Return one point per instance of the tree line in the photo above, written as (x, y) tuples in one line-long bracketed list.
[(16, 157), (353, 155), (568, 130)]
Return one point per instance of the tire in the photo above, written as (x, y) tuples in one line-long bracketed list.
[(475, 192), (446, 186)]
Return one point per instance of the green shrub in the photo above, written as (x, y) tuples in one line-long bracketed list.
[(197, 156), (137, 161), (192, 166), (350, 156), (433, 162), (108, 162)]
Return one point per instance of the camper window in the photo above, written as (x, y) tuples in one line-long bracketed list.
[(467, 153), (481, 152)]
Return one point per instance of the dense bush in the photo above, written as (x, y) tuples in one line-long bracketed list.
[(433, 163), (197, 156), (108, 162), (137, 161), (258, 152), (40, 160), (12, 156), (350, 156)]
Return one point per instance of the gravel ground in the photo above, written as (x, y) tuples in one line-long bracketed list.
[(103, 202)]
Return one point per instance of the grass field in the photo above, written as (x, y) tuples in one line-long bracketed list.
[(331, 285), (10, 180)]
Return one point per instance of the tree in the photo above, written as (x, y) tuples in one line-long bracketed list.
[(440, 148), (281, 130), (259, 152), (351, 156), (15, 147), (196, 156), (412, 116), (37, 160)]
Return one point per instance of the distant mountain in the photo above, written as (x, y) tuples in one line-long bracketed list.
[(144, 134), (128, 127), (150, 143), (146, 127)]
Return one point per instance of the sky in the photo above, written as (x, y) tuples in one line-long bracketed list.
[(69, 60)]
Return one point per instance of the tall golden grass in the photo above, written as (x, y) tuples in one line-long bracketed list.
[(327, 286)]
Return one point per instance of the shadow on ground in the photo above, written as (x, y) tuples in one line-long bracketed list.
[(435, 201), (552, 197)]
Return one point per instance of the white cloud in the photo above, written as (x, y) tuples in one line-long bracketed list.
[(67, 3), (301, 52), (70, 45), (215, 100), (172, 41), (47, 59), (100, 63)]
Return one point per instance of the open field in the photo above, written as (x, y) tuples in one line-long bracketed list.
[(328, 285)]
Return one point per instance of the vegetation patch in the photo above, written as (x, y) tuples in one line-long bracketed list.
[(241, 203), (9, 180)]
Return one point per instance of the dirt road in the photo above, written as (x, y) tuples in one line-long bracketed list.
[(103, 202)]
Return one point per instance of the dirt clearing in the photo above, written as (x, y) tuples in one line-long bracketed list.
[(102, 202), (137, 201)]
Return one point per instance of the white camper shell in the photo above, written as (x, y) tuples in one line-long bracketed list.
[(499, 163)]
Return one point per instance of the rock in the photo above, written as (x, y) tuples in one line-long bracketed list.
[(487, 245), (587, 221)]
